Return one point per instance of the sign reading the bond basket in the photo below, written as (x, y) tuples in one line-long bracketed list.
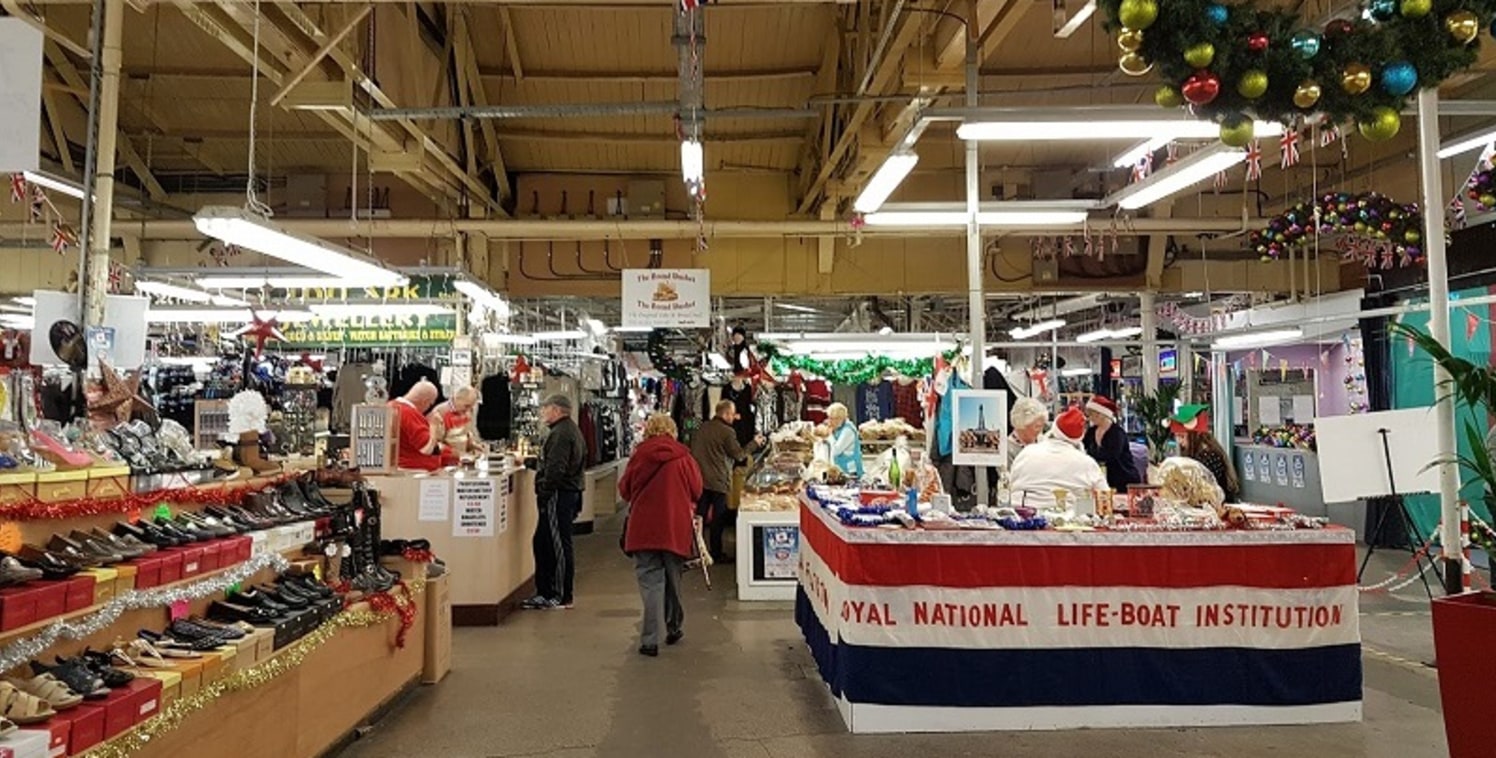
[(667, 297)]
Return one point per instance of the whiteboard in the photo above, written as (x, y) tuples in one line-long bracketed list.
[(1351, 464), (21, 92)]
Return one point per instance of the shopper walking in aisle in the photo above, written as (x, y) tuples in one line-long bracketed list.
[(1106, 443), (558, 493), (715, 448), (661, 485)]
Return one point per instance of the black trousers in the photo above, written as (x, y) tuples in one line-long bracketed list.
[(713, 510), (555, 562)]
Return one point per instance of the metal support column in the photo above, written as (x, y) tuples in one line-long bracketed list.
[(1150, 341), (976, 297), (1445, 444), (98, 171)]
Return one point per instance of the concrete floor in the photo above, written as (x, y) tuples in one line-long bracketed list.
[(569, 684)]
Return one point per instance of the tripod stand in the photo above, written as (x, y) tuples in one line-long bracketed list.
[(1410, 536)]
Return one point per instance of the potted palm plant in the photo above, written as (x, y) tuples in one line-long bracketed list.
[(1156, 408), (1463, 624)]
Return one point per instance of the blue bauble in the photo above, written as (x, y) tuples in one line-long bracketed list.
[(1399, 78), (1305, 43), (1217, 14), (1382, 10)]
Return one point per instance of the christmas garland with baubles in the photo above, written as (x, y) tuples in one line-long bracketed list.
[(1230, 63), (1373, 228)]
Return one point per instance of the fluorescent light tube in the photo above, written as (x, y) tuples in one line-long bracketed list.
[(568, 334), (1095, 335), (1033, 330), (1031, 218), (52, 183), (887, 179), (1074, 22), (483, 297), (508, 339), (17, 321), (241, 228), (1184, 174), (985, 218), (796, 308), (27, 301), (1257, 339), (1136, 153), (1082, 371), (166, 289), (719, 362), (692, 161), (633, 329), (1083, 129), (1473, 142), (598, 328), (356, 310), (21, 309), (283, 282), (218, 315)]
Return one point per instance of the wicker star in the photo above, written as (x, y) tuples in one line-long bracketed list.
[(263, 330), (121, 397)]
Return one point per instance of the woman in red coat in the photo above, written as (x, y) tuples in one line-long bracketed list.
[(661, 484)]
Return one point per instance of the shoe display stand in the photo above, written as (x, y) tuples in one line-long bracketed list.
[(338, 685), (489, 574)]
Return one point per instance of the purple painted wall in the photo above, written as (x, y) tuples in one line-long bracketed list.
[(1331, 371)]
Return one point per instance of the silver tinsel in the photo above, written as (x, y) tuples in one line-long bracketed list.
[(21, 651)]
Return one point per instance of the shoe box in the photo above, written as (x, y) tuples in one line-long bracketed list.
[(105, 583), (109, 482), (17, 487), (191, 671), (171, 682), (84, 726), (29, 743), (29, 603), (125, 706), (298, 624), (255, 647), (437, 659), (192, 560), (54, 730)]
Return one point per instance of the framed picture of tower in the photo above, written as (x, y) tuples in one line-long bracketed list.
[(979, 427)]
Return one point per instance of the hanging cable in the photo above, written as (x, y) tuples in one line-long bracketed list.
[(252, 201)]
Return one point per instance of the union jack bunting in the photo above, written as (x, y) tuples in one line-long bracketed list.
[(1219, 183), (1328, 132), (62, 237), (1142, 168), (1254, 161), (1457, 208), (1288, 144), (38, 202), (17, 188), (1171, 154)]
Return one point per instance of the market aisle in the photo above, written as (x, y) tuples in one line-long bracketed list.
[(569, 684)]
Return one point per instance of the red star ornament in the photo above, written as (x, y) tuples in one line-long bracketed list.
[(263, 330)]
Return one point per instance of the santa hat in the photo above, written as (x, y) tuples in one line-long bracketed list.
[(1103, 405), (1191, 418), (1069, 426)]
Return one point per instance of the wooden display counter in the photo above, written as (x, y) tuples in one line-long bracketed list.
[(486, 546), (599, 496)]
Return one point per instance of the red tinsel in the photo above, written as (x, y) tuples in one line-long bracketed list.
[(33, 509), (403, 606), (418, 556)]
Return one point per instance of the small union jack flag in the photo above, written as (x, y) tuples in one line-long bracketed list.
[(1171, 154), (17, 187), (1288, 145), (62, 237), (690, 5), (1254, 161), (1219, 183), (1142, 168), (116, 276), (1328, 132), (38, 202), (1457, 206)]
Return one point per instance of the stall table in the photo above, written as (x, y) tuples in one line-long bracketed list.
[(939, 631)]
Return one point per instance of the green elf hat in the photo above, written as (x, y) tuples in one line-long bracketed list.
[(1191, 419)]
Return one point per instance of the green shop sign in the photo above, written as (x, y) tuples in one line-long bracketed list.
[(372, 328)]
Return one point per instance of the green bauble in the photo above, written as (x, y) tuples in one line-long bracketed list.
[(1237, 131), (1199, 55), (1383, 124), (1253, 84), (1412, 236), (1168, 97), (1140, 14), (1415, 8)]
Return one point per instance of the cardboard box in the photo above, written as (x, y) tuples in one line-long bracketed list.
[(85, 727), (117, 711), (17, 607), (213, 555), (266, 648), (170, 679), (191, 671), (28, 744), (215, 665), (259, 541), (148, 570), (171, 566), (61, 486), (126, 580), (144, 697), (17, 487), (80, 592), (56, 732), (104, 582), (109, 482), (438, 619), (51, 599), (192, 561)]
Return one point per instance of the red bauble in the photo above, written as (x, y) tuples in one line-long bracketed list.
[(1201, 88), (1257, 42), (1337, 29)]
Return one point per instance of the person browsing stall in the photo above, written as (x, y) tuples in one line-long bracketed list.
[(661, 485), (1055, 462), (1028, 417), (1107, 444), (716, 450), (420, 445), (1191, 427), (455, 417), (845, 441), (558, 496)]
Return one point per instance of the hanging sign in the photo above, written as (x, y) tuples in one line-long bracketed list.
[(667, 297), (372, 328), (21, 91)]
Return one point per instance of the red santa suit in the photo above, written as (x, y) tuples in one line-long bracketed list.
[(415, 437)]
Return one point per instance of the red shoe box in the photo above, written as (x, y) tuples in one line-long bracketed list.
[(144, 695), (246, 548), (17, 607), (213, 555), (80, 593), (192, 561), (85, 725), (171, 565), (57, 735), (117, 712), (51, 599), (235, 550), (148, 570)]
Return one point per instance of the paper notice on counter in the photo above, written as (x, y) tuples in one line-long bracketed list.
[(1303, 409), (506, 502), (1269, 412), (433, 502), (473, 507)]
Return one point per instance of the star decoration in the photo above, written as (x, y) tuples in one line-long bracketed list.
[(263, 330), (120, 398)]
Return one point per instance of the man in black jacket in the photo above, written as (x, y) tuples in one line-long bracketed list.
[(558, 493)]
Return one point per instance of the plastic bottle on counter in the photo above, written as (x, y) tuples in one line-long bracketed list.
[(911, 502)]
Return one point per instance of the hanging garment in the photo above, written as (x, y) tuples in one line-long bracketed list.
[(817, 397), (742, 399), (347, 392), (906, 403), (495, 408), (945, 415)]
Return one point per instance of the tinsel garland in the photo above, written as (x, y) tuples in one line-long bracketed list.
[(20, 651), (33, 509), (850, 371), (399, 601), (172, 716)]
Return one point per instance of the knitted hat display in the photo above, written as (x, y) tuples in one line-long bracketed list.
[(1103, 405), (1190, 418), (1069, 426)]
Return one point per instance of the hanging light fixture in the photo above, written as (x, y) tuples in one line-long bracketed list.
[(241, 228)]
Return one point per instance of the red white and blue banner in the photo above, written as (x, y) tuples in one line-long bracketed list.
[(952, 631)]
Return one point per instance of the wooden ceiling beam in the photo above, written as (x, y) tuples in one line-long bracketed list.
[(70, 76), (14, 9), (511, 46), (59, 137), (327, 46), (647, 139), (818, 135), (467, 62)]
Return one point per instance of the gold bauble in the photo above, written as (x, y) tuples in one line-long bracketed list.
[(1130, 40), (1355, 78), (1382, 126), (1200, 55), (1168, 96), (1133, 64), (1307, 94), (1137, 14), (1237, 131), (1464, 26), (1253, 84)]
